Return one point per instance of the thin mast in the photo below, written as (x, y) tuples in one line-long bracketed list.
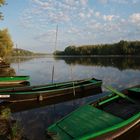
[(55, 50), (56, 37)]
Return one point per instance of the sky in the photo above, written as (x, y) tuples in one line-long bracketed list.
[(32, 23)]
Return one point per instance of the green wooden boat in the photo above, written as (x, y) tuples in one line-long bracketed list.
[(5, 80), (108, 118), (15, 85), (28, 105), (41, 92)]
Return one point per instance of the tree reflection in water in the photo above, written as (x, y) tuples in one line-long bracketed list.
[(121, 63), (7, 72)]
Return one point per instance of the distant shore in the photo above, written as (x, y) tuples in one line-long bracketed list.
[(116, 49), (68, 56)]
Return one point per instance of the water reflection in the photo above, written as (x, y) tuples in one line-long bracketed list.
[(117, 72), (22, 59), (37, 120), (121, 63), (7, 72)]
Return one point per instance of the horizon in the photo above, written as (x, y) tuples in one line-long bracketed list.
[(32, 23)]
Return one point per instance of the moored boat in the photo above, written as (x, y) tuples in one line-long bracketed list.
[(6, 80), (28, 105), (108, 118), (7, 86), (49, 91)]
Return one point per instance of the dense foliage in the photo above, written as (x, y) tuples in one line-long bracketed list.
[(6, 43), (2, 2), (120, 48)]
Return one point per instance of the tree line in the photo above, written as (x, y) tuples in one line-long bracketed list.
[(21, 52), (120, 48)]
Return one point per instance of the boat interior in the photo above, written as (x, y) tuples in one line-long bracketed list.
[(68, 84), (122, 107), (53, 86)]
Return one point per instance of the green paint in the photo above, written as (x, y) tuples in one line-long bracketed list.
[(52, 90), (108, 100), (117, 126), (120, 94), (134, 89), (88, 122), (13, 78)]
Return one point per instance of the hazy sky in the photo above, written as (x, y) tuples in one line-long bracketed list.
[(32, 23)]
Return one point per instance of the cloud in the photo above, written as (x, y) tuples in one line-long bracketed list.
[(79, 21), (82, 15), (110, 17), (57, 11), (39, 2), (136, 1), (46, 37), (135, 18), (119, 1), (103, 1), (84, 2)]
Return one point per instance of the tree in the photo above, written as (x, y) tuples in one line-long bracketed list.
[(6, 43), (2, 2), (120, 48)]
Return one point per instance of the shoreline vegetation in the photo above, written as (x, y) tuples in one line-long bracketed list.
[(122, 48), (9, 128), (22, 52)]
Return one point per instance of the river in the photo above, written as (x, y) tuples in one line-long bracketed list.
[(119, 72)]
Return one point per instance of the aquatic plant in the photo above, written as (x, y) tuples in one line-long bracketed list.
[(9, 128), (5, 113)]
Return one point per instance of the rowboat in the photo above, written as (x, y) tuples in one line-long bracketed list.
[(29, 105), (5, 80), (107, 118), (6, 86), (41, 92)]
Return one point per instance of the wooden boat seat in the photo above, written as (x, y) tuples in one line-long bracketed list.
[(134, 89), (86, 120), (122, 108)]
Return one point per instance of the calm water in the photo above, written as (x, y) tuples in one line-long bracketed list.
[(117, 72)]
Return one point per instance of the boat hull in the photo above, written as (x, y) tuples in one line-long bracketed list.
[(118, 133), (30, 94), (110, 117), (31, 104), (12, 83), (23, 84), (4, 80)]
